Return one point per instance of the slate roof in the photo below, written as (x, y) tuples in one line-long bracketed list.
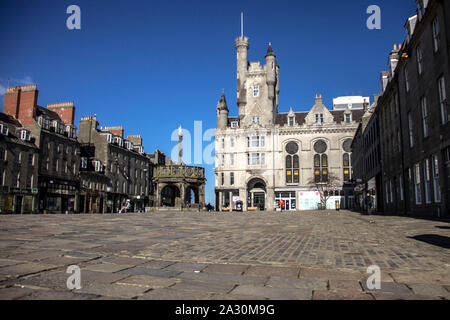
[(50, 114), (13, 135)]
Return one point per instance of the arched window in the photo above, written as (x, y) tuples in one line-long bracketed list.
[(292, 164), (346, 166), (321, 168), (346, 160)]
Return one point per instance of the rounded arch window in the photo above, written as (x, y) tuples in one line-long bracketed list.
[(320, 146), (292, 148), (292, 169), (347, 145)]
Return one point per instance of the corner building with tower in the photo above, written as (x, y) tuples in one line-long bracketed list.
[(263, 157)]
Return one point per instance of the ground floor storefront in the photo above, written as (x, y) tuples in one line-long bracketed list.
[(18, 201), (260, 198)]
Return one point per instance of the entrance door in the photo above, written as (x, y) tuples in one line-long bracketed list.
[(18, 204), (259, 200)]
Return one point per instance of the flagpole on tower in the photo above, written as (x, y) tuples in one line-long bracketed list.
[(242, 24)]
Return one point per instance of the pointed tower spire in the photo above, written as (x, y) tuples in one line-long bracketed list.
[(270, 51), (222, 112), (222, 105)]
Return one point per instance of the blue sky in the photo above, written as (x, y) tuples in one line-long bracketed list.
[(151, 66)]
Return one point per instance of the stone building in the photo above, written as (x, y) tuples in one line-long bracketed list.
[(122, 161), (54, 134), (263, 156), (366, 158), (414, 118), (19, 159)]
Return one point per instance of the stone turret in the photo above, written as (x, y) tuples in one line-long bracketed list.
[(242, 47), (271, 69), (222, 113)]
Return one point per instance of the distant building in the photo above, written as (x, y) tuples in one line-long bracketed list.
[(19, 159), (352, 103), (122, 161)]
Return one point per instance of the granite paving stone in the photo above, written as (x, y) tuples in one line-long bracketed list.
[(13, 293), (172, 294), (148, 282), (289, 272), (341, 295), (430, 290), (113, 290), (151, 272), (389, 287), (107, 267), (181, 255), (226, 269), (313, 284), (186, 267), (274, 293)]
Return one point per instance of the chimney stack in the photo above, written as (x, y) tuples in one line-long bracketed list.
[(21, 102)]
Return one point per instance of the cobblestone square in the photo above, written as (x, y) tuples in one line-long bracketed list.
[(225, 256)]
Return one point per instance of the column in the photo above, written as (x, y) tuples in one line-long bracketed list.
[(243, 198), (220, 206), (270, 199)]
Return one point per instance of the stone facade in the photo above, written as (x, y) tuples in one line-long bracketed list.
[(56, 140), (179, 187), (414, 117), (19, 159), (124, 164), (263, 157)]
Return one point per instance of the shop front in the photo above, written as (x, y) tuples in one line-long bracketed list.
[(308, 200), (18, 201), (285, 200), (58, 196)]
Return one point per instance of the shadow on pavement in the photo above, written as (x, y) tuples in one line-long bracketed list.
[(434, 239)]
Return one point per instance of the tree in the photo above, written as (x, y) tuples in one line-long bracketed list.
[(325, 187)]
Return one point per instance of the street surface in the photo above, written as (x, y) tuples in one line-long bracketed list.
[(221, 256)]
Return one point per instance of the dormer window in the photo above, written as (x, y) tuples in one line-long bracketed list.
[(128, 145), (24, 135), (348, 118), (118, 141), (83, 163), (234, 124), (109, 137), (255, 91), (71, 131), (4, 129), (291, 121), (139, 149), (98, 166), (255, 120), (44, 122)]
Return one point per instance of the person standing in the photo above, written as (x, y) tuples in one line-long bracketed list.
[(368, 203)]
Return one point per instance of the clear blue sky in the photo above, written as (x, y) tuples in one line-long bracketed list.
[(153, 65)]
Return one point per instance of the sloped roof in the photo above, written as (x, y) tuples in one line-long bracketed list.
[(50, 114)]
